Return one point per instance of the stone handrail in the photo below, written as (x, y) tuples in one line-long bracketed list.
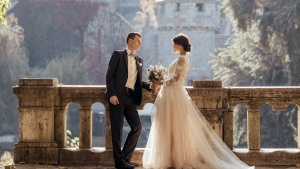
[(42, 120)]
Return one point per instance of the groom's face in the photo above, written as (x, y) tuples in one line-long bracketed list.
[(135, 43)]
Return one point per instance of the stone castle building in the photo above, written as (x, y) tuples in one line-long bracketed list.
[(200, 20)]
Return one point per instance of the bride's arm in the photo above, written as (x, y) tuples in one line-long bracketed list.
[(178, 68)]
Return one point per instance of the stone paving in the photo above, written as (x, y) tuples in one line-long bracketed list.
[(32, 166)]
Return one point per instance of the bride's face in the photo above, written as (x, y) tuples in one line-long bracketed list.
[(176, 48)]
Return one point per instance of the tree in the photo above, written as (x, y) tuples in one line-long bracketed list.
[(69, 69), (106, 33), (278, 129), (280, 18), (13, 65), (246, 63), (4, 4), (262, 52), (53, 27)]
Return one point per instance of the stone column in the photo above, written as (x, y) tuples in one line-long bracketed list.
[(36, 121), (298, 126), (85, 135), (253, 129), (228, 128), (60, 129), (108, 141), (211, 99)]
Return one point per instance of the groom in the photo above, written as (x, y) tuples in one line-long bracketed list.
[(124, 91)]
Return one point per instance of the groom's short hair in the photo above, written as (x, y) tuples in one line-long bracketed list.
[(131, 35)]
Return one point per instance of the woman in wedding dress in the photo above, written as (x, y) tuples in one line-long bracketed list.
[(180, 136)]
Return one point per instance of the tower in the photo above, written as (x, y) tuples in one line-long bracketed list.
[(199, 20)]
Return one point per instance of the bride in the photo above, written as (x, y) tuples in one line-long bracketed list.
[(180, 136)]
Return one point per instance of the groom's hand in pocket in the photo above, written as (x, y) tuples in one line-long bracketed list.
[(114, 100)]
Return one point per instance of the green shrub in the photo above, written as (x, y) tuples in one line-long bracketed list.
[(6, 159), (72, 141)]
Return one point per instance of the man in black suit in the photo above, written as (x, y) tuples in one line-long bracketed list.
[(124, 91)]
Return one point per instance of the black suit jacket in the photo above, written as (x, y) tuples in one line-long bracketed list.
[(117, 75)]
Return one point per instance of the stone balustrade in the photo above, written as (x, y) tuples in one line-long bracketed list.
[(43, 120)]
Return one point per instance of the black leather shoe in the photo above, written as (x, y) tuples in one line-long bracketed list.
[(122, 164), (134, 164)]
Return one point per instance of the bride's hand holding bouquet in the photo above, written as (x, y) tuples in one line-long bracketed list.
[(156, 75)]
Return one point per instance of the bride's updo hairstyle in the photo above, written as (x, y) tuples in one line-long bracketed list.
[(184, 41)]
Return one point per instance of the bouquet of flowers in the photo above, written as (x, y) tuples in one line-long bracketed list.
[(156, 72)]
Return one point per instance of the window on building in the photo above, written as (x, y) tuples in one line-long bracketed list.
[(178, 7), (199, 7)]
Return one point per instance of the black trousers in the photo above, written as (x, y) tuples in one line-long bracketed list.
[(127, 109)]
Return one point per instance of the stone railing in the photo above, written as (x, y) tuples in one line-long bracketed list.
[(43, 120)]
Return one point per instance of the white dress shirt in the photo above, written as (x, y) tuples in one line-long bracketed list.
[(132, 70)]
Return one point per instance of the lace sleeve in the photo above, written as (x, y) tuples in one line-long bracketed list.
[(178, 68)]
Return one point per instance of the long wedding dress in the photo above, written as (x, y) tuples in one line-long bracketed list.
[(180, 136)]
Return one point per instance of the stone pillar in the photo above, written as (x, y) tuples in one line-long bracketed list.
[(36, 121), (108, 141), (298, 116), (253, 129), (60, 129), (228, 128), (298, 126), (85, 135), (211, 99)]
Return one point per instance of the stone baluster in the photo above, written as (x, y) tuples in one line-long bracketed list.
[(60, 128), (108, 141), (298, 116), (85, 135), (253, 126), (228, 128)]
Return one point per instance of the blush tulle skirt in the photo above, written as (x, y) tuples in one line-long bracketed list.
[(180, 137)]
